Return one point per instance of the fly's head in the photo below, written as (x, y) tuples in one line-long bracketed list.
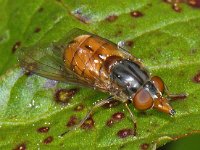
[(150, 96)]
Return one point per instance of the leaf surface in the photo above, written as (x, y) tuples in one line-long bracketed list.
[(167, 41)]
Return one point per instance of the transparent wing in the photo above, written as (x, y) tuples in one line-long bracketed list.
[(48, 62)]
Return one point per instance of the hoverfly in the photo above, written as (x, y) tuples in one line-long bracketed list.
[(89, 60)]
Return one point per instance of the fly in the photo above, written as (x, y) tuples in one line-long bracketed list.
[(88, 60)]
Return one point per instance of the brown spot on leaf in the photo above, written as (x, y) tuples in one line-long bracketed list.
[(79, 107), (144, 146), (125, 133), (48, 140), (126, 44), (16, 46), (176, 7), (168, 1), (112, 103), (194, 3), (80, 16), (38, 29), (28, 73), (20, 147), (174, 4), (112, 18), (88, 124), (43, 129), (40, 9), (118, 116), (196, 78), (72, 121), (136, 14), (64, 95), (129, 43), (110, 122), (31, 66)]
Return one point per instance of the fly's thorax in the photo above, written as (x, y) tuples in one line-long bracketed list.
[(150, 96), (110, 62), (129, 76)]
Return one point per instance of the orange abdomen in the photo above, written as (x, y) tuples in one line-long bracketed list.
[(87, 55)]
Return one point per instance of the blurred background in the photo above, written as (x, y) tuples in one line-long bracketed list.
[(191, 142)]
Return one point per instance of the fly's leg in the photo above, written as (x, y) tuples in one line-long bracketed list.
[(175, 96), (97, 105), (132, 118)]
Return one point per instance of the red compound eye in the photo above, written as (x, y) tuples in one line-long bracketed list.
[(158, 83), (142, 100)]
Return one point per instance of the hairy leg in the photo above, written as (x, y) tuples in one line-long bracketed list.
[(97, 105), (132, 118)]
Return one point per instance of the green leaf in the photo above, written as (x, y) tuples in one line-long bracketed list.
[(167, 41)]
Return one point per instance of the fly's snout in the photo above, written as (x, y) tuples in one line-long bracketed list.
[(162, 104)]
